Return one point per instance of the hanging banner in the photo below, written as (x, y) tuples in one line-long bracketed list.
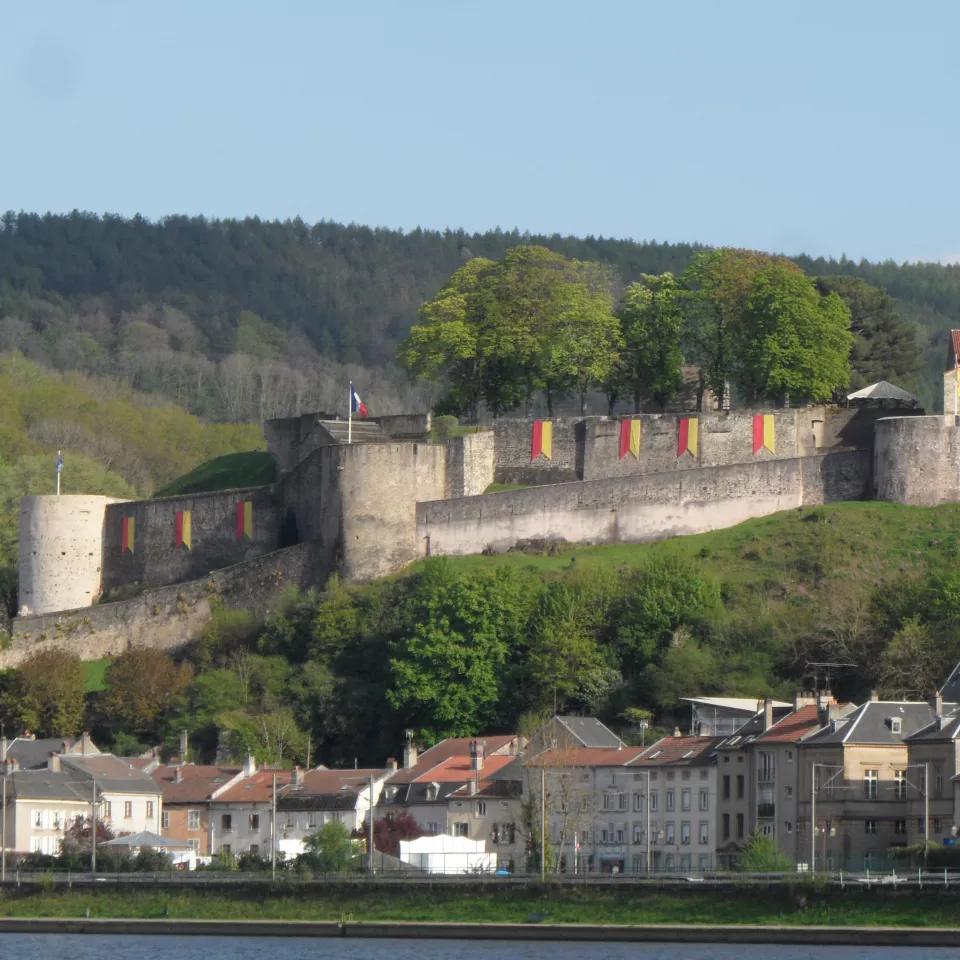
[(763, 432), (128, 530), (542, 439), (630, 438), (688, 436), (185, 529), (245, 520)]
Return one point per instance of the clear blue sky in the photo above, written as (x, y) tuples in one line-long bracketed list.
[(826, 127)]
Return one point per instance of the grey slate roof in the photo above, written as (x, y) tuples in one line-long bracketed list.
[(951, 688), (33, 754), (944, 727), (145, 838), (112, 774), (870, 723), (752, 729), (590, 732), (48, 785)]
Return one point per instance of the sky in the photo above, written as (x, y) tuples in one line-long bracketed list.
[(824, 127)]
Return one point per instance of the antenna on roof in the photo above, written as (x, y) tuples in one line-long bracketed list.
[(826, 668)]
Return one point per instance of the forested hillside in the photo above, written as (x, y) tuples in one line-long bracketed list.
[(248, 319)]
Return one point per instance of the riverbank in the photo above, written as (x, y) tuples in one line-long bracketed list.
[(785, 905)]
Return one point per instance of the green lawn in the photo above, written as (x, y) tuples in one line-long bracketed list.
[(501, 487), (791, 903), (96, 674), (228, 472)]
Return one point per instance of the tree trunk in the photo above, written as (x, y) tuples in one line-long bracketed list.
[(583, 403)]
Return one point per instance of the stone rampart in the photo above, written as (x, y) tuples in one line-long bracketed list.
[(469, 464), (169, 617), (917, 460), (217, 537), (639, 508)]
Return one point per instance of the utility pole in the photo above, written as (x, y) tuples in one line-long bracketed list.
[(93, 829), (813, 816), (273, 831), (3, 828), (370, 828), (926, 807), (647, 805), (543, 822)]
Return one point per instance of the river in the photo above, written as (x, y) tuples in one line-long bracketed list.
[(41, 946)]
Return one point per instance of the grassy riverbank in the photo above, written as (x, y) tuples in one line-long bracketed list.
[(787, 905)]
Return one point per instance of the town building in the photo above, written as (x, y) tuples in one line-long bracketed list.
[(40, 807)]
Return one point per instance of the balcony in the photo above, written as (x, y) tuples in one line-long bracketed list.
[(766, 811)]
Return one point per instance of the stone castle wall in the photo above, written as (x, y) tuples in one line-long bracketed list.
[(168, 617), (639, 508), (469, 464), (917, 460), (156, 560)]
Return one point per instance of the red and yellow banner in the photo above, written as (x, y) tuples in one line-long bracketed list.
[(245, 520), (629, 438), (763, 432), (542, 439), (689, 431), (185, 529), (128, 531)]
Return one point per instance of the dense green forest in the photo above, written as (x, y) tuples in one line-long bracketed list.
[(236, 320), (485, 644)]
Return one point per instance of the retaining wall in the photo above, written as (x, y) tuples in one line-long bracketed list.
[(917, 460), (640, 508), (156, 560), (168, 617), (469, 464)]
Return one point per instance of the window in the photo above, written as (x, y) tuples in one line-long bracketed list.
[(671, 775), (108, 810), (684, 799), (726, 826), (900, 828), (900, 784), (767, 768), (938, 781), (868, 860), (740, 826), (726, 786), (653, 773), (871, 784), (432, 827), (704, 863), (685, 862), (165, 820), (311, 819), (255, 849), (654, 801), (671, 833), (767, 829), (637, 864), (788, 792), (787, 827), (481, 808), (741, 786), (607, 801), (936, 825), (149, 809), (638, 802), (638, 833), (36, 844), (226, 822), (668, 862), (920, 825), (461, 829), (704, 774), (38, 820), (670, 799), (870, 826), (895, 725), (622, 801), (704, 832), (255, 821), (789, 756), (621, 832), (685, 832), (704, 799), (685, 775), (194, 845), (193, 819), (127, 809), (225, 848)]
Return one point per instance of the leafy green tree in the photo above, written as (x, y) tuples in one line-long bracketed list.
[(686, 669), (884, 344), (651, 322), (789, 342), (47, 694), (331, 849), (761, 854)]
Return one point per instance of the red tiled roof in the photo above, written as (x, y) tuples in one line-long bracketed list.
[(256, 789), (585, 757), (318, 782), (792, 727), (196, 784), (677, 750), (452, 747), (458, 769)]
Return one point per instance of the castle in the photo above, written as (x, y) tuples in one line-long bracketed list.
[(98, 574)]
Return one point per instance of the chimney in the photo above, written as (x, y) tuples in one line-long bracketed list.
[(472, 787), (3, 749), (53, 763), (936, 702), (249, 766), (297, 777), (874, 696), (178, 774), (409, 751), (184, 745), (676, 732), (476, 756), (767, 713), (392, 764)]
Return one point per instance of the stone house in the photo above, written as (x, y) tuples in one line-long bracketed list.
[(41, 805), (241, 811)]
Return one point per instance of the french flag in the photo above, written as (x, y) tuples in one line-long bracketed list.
[(356, 404)]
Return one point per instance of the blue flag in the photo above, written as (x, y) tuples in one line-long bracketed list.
[(59, 464)]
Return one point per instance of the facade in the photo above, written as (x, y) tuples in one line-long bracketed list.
[(241, 812), (41, 805), (464, 788), (130, 802)]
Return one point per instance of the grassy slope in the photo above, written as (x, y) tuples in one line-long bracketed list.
[(97, 674), (225, 473), (789, 903)]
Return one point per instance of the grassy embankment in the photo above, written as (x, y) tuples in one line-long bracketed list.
[(228, 472), (789, 904)]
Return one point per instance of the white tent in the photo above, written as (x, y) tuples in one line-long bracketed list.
[(181, 853), (884, 391), (441, 853)]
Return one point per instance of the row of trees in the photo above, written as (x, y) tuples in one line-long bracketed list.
[(498, 332)]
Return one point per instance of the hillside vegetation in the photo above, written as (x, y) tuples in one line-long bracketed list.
[(463, 646), (249, 319), (232, 470)]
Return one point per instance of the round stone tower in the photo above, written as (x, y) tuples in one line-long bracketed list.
[(61, 552)]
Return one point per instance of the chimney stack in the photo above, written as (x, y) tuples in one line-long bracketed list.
[(409, 751), (767, 713), (297, 777), (178, 774), (3, 749), (874, 696), (53, 763), (249, 766), (392, 764), (184, 745), (676, 732), (936, 702), (476, 756)]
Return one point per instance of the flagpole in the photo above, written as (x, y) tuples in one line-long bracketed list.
[(350, 416)]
